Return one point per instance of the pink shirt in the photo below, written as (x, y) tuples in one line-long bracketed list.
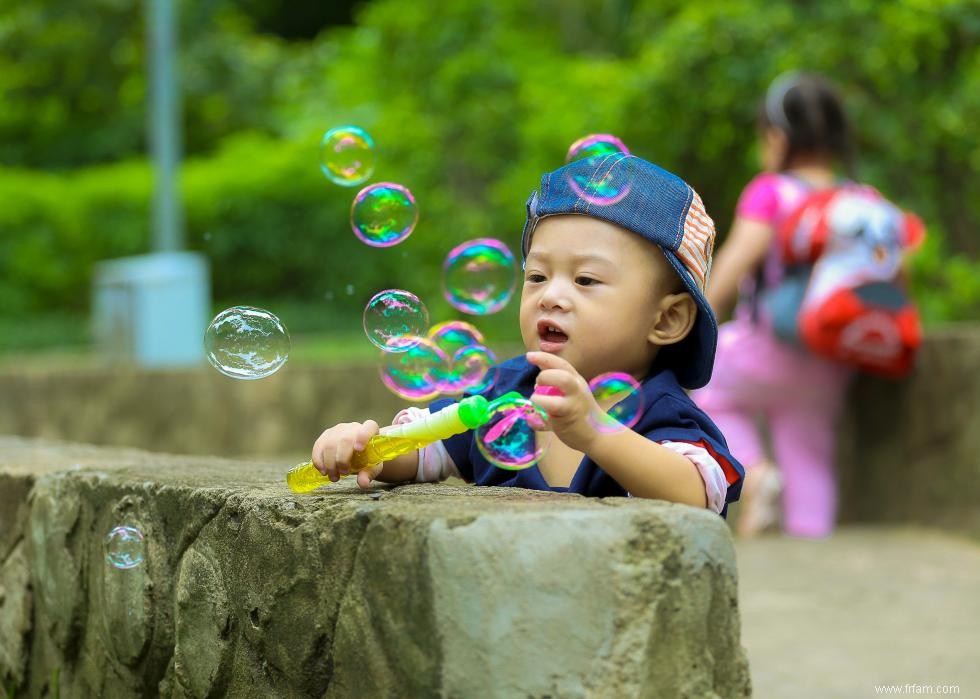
[(769, 198)]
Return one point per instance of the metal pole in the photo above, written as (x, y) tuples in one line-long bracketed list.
[(165, 145)]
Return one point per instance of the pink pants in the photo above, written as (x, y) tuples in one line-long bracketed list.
[(799, 396)]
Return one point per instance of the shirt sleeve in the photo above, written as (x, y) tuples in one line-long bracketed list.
[(682, 423), (715, 483), (759, 200)]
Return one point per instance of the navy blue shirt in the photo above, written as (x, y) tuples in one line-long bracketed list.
[(669, 416)]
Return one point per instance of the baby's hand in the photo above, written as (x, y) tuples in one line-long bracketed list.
[(333, 450), (570, 406)]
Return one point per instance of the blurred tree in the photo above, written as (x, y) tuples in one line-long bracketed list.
[(469, 102), (298, 20), (73, 78)]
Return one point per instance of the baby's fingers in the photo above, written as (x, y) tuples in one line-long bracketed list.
[(366, 475), (323, 455), (364, 434)]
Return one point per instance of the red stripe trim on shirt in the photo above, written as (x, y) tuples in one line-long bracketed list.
[(731, 473)]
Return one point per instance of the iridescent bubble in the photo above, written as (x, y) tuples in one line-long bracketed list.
[(347, 155), (412, 368), (472, 370), (124, 547), (620, 396), (594, 145), (246, 343), (603, 182), (383, 214), (393, 314), (508, 439), (453, 335), (479, 276)]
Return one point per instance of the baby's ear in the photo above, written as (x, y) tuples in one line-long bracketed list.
[(674, 319)]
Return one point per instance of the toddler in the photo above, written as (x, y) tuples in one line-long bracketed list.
[(614, 284), (805, 143)]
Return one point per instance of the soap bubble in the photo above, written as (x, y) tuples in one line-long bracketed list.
[(412, 367), (347, 155), (393, 314), (453, 335), (246, 343), (596, 144), (622, 393), (604, 183), (472, 369), (124, 547), (479, 276), (508, 439), (383, 214)]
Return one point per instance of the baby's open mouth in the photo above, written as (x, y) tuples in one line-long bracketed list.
[(551, 335)]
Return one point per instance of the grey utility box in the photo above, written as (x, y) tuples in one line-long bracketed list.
[(152, 310)]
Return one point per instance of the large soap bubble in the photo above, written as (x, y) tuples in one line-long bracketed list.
[(596, 144), (392, 314), (454, 335), (604, 182), (621, 393), (347, 155), (508, 439), (479, 276), (413, 368), (246, 343), (124, 547), (383, 214), (472, 370)]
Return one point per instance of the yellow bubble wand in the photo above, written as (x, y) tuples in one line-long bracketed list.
[(396, 440)]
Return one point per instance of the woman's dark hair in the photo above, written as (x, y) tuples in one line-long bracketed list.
[(810, 112)]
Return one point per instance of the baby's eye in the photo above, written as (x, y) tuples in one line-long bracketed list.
[(586, 281), (535, 278)]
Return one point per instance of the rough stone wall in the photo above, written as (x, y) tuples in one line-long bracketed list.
[(910, 449), (248, 590), (191, 411)]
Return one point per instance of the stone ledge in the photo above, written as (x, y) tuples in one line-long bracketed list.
[(414, 591)]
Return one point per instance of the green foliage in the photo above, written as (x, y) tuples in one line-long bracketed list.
[(73, 78), (469, 102)]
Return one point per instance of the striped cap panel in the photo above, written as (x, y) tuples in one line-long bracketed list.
[(698, 242)]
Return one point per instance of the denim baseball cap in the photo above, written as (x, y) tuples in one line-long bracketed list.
[(657, 205)]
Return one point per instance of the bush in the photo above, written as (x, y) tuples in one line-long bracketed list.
[(467, 111), (272, 226)]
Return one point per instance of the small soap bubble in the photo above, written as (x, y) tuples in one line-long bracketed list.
[(508, 439), (412, 368), (596, 144), (349, 289), (604, 182), (472, 369), (347, 155), (393, 314), (453, 335), (383, 214), (246, 343), (124, 547), (479, 276), (620, 395)]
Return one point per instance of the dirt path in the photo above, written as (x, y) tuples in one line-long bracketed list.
[(869, 606)]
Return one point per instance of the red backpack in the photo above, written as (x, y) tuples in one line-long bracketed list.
[(851, 302)]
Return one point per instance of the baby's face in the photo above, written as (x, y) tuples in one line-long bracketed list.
[(591, 290)]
